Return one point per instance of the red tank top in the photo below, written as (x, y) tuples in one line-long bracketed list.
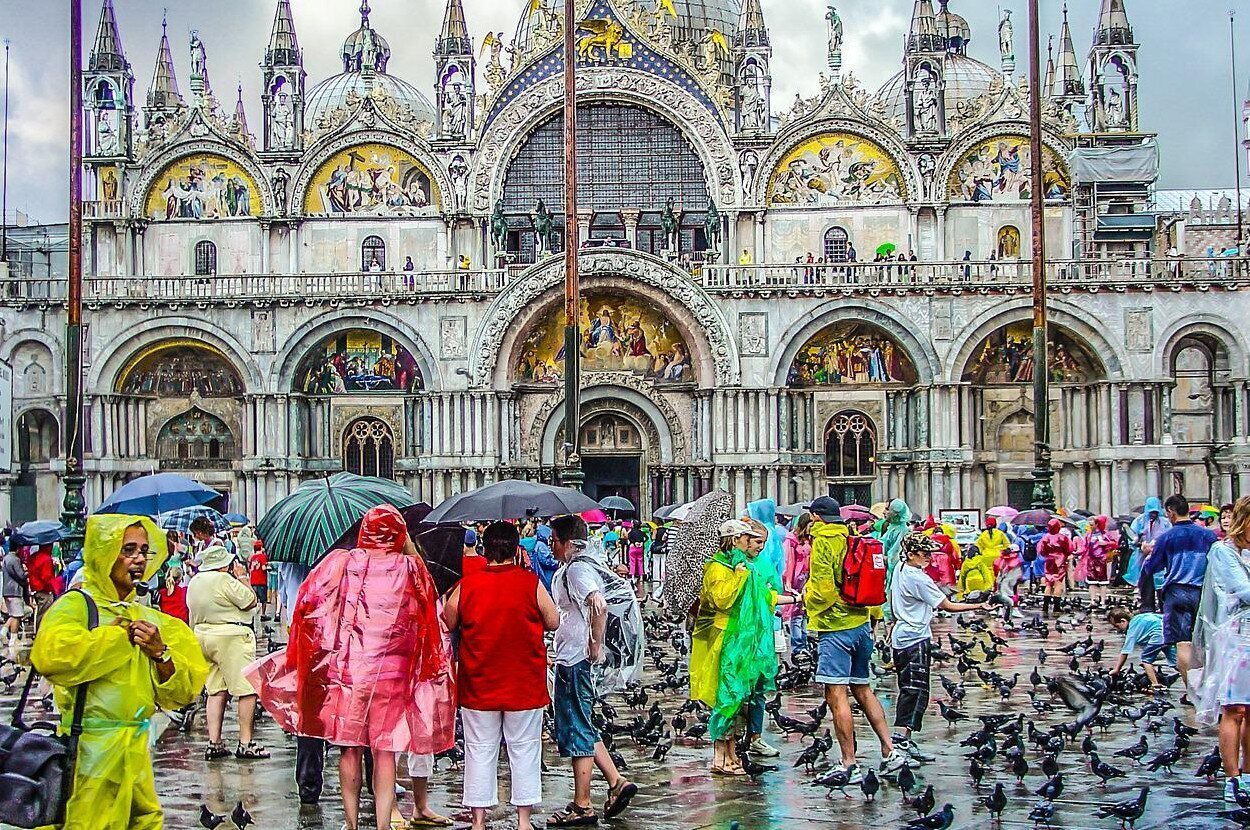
[(503, 660)]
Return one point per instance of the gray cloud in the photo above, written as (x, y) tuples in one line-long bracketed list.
[(1185, 86)]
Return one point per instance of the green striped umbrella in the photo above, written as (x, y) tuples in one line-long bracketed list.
[(302, 527)]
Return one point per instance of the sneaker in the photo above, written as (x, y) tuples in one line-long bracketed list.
[(854, 774), (215, 752), (896, 760), (913, 750), (758, 747)]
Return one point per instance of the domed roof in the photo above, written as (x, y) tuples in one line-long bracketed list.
[(347, 89), (966, 79)]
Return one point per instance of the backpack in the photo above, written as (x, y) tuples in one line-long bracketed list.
[(864, 573), (623, 635)]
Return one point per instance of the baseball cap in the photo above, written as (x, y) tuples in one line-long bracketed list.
[(734, 528), (919, 543), (827, 509)]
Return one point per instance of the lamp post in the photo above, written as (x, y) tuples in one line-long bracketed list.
[(73, 514), (573, 475), (1043, 475)]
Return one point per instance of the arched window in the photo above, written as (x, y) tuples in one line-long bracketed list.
[(1197, 363), (1008, 242), (850, 447), (196, 440), (837, 245), (369, 448), (373, 254), (205, 259), (38, 440)]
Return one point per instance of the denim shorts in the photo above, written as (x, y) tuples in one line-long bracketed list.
[(574, 699), (1151, 653), (1180, 612), (844, 657)]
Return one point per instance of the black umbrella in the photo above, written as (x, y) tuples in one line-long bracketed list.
[(512, 500), (664, 512), (43, 532), (616, 505), (443, 544)]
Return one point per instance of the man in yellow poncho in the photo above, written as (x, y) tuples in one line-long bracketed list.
[(136, 660)]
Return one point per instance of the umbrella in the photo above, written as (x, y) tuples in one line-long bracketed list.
[(303, 526), (1003, 511), (887, 249), (665, 513), (156, 494), (856, 513), (616, 505), (689, 548), (443, 544), (512, 500), (796, 509), (595, 517), (238, 519), (42, 532), (1037, 518), (181, 519), (879, 509)]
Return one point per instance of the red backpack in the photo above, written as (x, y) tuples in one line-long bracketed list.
[(863, 572)]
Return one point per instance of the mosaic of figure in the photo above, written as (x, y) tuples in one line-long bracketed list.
[(851, 353), (836, 169), (1006, 356), (998, 170), (620, 333), (177, 370), (371, 180), (203, 187), (356, 361)]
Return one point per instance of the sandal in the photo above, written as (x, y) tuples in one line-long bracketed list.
[(619, 798), (729, 772), (430, 821), (574, 816), (215, 752), (250, 752)]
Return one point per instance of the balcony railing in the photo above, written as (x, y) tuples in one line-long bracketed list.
[(104, 209), (800, 277)]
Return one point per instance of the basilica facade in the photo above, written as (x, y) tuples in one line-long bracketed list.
[(780, 298)]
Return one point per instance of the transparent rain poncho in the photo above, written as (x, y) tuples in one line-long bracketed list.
[(113, 786), (1221, 650)]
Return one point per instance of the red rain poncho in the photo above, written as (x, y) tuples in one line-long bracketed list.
[(367, 663)]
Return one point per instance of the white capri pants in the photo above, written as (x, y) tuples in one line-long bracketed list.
[(523, 734)]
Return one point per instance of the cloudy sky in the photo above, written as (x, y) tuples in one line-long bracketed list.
[(1186, 86)]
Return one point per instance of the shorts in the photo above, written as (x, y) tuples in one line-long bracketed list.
[(637, 566), (228, 649), (262, 593), (574, 698), (1151, 653), (844, 656), (1180, 611), (14, 607)]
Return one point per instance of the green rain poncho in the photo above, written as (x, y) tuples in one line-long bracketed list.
[(894, 527), (113, 785), (749, 660)]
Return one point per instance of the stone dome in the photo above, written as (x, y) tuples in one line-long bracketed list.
[(966, 79), (347, 88)]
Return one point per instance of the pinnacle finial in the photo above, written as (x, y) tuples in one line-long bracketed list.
[(364, 13)]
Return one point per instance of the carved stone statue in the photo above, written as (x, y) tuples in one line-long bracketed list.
[(280, 182), (1115, 109), (927, 105), (544, 228), (835, 33), (671, 225), (459, 170), (1007, 37), (199, 57), (753, 109), (499, 229), (711, 227), (456, 111)]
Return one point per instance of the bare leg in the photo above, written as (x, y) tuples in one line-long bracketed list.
[(1151, 674), (349, 783), (216, 714), (1231, 725), (876, 716), (522, 819), (583, 768), (843, 725), (247, 715), (1184, 658), (479, 817), (606, 765), (384, 787)]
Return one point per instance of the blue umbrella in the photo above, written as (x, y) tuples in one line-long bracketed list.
[(237, 519), (181, 519), (43, 532), (156, 494)]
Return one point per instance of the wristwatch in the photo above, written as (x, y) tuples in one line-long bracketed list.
[(165, 657)]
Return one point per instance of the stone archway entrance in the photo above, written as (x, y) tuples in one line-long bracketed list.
[(612, 457)]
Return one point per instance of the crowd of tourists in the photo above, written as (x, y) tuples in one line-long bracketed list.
[(547, 620)]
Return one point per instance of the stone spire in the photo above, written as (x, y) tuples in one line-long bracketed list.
[(107, 54), (455, 68), (454, 37), (752, 31), (923, 36), (1048, 85), (1071, 84), (239, 125), (283, 44), (164, 92), (1113, 26)]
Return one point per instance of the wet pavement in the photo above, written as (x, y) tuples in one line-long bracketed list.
[(680, 794)]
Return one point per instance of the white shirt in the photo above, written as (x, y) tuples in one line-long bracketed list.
[(914, 598), (572, 641)]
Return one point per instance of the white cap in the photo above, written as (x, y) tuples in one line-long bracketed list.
[(734, 528)]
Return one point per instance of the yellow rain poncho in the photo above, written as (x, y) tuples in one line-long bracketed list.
[(722, 588), (113, 786)]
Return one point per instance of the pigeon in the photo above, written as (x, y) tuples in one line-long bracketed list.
[(208, 819), (996, 801), (1042, 813), (663, 747), (836, 779), (1210, 765), (1181, 729), (870, 786), (1240, 816), (951, 716), (906, 779), (1088, 747), (1105, 772), (941, 820), (1128, 812), (923, 804), (1135, 752), (1164, 760), (241, 817), (977, 772), (1050, 766), (1052, 789), (1019, 768)]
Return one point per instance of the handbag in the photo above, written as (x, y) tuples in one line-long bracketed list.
[(37, 763)]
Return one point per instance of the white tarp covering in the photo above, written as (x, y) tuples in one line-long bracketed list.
[(1137, 163)]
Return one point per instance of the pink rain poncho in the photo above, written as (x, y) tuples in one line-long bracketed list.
[(1101, 547), (367, 663)]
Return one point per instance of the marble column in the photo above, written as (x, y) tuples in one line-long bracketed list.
[(631, 217)]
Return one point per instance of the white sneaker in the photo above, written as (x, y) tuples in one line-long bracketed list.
[(854, 774), (758, 747), (913, 750), (896, 760)]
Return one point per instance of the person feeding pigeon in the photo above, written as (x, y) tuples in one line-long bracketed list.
[(914, 598), (1143, 632), (133, 661)]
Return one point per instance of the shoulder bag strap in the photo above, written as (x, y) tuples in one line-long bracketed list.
[(80, 694)]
